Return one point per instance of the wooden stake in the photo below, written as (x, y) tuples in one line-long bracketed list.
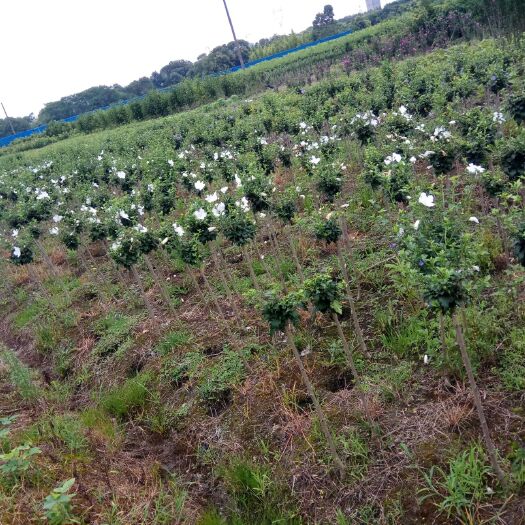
[(160, 284), (351, 363), (491, 449), (147, 302), (311, 392), (350, 297)]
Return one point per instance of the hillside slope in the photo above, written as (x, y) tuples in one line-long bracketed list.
[(374, 221)]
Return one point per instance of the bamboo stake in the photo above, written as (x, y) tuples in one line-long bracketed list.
[(350, 297), (216, 303), (147, 302), (160, 284), (47, 259), (319, 411), (248, 261), (491, 449), (351, 362)]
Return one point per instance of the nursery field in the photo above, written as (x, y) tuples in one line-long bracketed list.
[(304, 307)]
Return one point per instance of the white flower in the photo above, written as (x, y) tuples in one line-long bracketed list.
[(395, 157), (473, 169), (200, 214), (140, 228), (441, 133), (53, 231), (238, 181), (498, 117), (474, 220), (179, 230), (243, 204), (212, 198), (42, 195), (426, 200), (416, 224), (164, 241), (57, 218), (199, 185), (262, 215), (171, 163), (121, 175), (476, 268), (263, 141), (151, 188), (14, 233), (413, 159), (212, 228), (303, 125), (426, 154), (123, 215), (315, 160), (16, 252), (426, 359), (224, 189), (218, 209)]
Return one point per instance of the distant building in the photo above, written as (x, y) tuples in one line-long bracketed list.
[(372, 5)]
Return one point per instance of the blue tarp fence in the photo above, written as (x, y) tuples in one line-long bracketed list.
[(4, 141)]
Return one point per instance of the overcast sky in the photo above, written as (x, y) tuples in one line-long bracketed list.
[(54, 48)]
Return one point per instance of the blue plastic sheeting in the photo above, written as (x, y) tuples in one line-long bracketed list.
[(27, 133)]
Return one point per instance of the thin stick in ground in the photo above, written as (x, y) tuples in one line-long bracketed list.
[(147, 302), (491, 449), (350, 297), (319, 411)]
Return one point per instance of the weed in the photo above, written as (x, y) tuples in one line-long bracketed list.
[(15, 463), (57, 505), (98, 421), (114, 331), (256, 498), (29, 314), (178, 371), (131, 395), (356, 452), (223, 375), (20, 375), (464, 485), (66, 430), (512, 362), (172, 341)]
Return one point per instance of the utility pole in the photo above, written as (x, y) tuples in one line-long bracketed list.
[(8, 119), (237, 48)]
